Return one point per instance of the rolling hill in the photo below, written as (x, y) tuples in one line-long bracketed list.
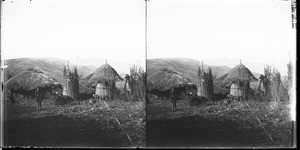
[(50, 66), (184, 67), (120, 67)]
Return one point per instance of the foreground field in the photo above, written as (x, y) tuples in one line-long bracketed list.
[(218, 124), (79, 124)]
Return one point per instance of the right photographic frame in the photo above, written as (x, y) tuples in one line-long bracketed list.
[(221, 73)]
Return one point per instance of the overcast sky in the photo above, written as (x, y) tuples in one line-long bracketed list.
[(258, 31), (67, 29), (254, 30)]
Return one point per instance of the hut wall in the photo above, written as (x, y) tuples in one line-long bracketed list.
[(236, 90), (120, 85), (101, 90)]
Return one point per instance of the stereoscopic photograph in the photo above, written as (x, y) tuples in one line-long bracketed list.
[(148, 74)]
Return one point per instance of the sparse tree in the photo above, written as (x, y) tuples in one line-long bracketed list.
[(210, 83), (74, 77), (275, 89), (138, 79), (205, 78), (71, 79)]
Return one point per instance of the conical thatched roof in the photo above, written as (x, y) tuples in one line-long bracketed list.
[(29, 80), (219, 87), (54, 81), (239, 73), (166, 79), (85, 90), (83, 85), (105, 72)]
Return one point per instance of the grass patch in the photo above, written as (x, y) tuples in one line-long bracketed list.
[(85, 115), (215, 119)]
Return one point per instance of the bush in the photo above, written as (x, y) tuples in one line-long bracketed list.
[(277, 89), (138, 81), (63, 100), (195, 100), (207, 89)]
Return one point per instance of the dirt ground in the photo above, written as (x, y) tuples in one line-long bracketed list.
[(78, 124), (218, 124)]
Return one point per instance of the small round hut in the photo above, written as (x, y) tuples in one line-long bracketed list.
[(26, 82), (161, 82), (104, 79), (239, 79)]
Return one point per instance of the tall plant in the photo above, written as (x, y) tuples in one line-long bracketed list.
[(275, 89), (71, 81), (74, 81), (205, 78), (138, 79)]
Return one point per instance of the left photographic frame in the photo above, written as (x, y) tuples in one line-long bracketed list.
[(73, 73)]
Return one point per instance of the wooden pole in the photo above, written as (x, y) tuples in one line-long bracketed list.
[(118, 122), (260, 123)]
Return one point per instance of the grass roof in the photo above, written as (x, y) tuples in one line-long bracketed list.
[(105, 72), (239, 73), (29, 80)]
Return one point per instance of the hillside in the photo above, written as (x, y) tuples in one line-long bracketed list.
[(50, 66), (120, 67), (183, 66)]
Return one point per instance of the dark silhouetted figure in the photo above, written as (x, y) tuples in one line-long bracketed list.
[(38, 98), (173, 97)]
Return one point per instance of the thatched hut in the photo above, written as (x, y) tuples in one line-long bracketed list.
[(26, 82), (239, 79), (161, 82), (104, 80)]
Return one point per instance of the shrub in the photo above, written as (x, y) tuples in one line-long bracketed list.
[(195, 100), (205, 77), (138, 79), (277, 89), (63, 100), (72, 80)]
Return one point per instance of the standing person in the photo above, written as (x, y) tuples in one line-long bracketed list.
[(128, 87), (38, 98), (173, 99)]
